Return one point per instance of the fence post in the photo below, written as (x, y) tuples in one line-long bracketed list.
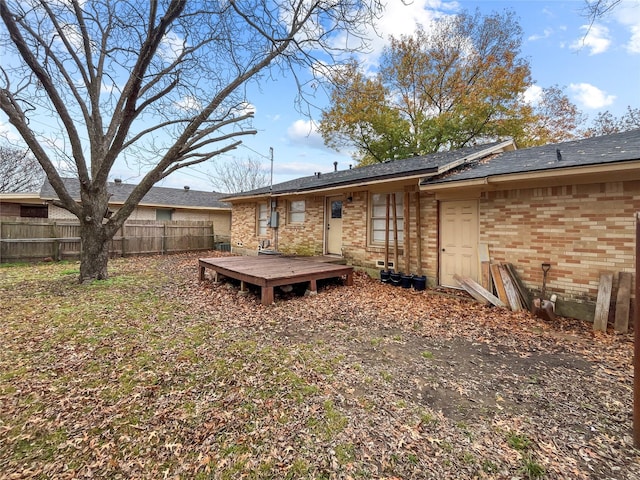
[(164, 238), (123, 240)]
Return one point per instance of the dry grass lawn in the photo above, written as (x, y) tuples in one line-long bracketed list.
[(154, 375)]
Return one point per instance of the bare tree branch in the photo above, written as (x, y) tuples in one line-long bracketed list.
[(239, 175), (19, 171)]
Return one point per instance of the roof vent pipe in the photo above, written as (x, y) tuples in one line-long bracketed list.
[(558, 155), (335, 166), (350, 166)]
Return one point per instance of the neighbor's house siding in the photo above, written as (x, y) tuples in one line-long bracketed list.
[(582, 230), (221, 220), (9, 209)]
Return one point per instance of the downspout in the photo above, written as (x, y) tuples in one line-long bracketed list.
[(438, 203), (386, 237), (395, 232), (272, 207), (418, 235), (407, 236)]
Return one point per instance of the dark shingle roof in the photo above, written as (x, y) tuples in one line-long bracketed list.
[(415, 166), (174, 197), (608, 149)]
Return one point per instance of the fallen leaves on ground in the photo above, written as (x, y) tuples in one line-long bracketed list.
[(152, 374)]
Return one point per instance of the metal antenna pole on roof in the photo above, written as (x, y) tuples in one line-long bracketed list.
[(271, 180)]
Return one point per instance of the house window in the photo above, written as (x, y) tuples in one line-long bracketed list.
[(296, 211), (379, 214), (262, 220), (34, 211), (163, 214)]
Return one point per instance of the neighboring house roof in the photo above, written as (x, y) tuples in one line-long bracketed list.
[(156, 196), (557, 159), (420, 166)]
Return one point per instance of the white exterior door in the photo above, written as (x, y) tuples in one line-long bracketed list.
[(333, 233), (458, 241)]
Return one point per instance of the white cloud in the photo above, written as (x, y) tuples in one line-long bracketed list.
[(596, 39), (633, 46), (627, 14), (188, 104), (246, 108), (8, 132), (171, 47), (545, 34), (532, 95), (399, 18), (590, 96), (73, 35), (305, 133)]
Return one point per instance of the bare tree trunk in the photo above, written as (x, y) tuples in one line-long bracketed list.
[(94, 234), (95, 252)]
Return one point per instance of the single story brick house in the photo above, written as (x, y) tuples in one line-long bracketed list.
[(159, 204), (570, 204)]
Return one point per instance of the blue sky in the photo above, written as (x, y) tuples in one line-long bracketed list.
[(599, 67)]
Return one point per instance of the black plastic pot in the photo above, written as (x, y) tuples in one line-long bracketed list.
[(396, 279), (405, 281), (385, 276), (420, 282)]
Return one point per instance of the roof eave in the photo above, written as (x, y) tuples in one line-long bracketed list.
[(174, 206), (577, 174), (423, 173)]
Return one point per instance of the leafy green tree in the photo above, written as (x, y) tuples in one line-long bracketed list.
[(86, 83), (457, 82), (360, 116)]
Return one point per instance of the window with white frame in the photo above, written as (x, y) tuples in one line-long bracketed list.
[(378, 214), (262, 219), (296, 211)]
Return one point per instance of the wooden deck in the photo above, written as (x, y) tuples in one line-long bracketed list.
[(272, 271)]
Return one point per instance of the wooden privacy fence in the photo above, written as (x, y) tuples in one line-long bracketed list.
[(37, 239)]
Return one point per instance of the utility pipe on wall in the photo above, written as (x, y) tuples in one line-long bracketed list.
[(636, 344)]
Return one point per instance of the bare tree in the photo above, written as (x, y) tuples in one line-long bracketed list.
[(606, 123), (595, 9), (89, 82), (19, 171), (238, 175)]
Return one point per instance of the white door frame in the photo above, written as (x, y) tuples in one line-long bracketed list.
[(336, 248)]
